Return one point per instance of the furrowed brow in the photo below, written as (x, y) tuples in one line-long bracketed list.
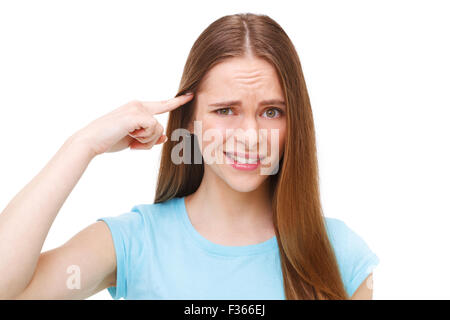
[(238, 103)]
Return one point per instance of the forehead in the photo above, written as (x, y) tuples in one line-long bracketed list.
[(241, 75)]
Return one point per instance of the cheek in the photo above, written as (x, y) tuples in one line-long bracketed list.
[(271, 135), (213, 133)]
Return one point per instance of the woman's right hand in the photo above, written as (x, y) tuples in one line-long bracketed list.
[(131, 125)]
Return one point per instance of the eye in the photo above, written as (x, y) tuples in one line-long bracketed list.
[(222, 111), (272, 112)]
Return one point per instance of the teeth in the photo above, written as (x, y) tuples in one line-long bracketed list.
[(242, 160)]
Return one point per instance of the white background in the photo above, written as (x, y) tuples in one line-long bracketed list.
[(378, 75)]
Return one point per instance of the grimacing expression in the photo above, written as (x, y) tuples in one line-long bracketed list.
[(254, 101)]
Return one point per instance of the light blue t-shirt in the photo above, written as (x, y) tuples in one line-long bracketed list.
[(160, 255)]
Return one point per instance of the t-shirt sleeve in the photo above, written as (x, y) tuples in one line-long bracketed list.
[(360, 260), (126, 231)]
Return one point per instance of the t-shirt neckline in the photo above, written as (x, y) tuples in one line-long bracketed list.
[(212, 247)]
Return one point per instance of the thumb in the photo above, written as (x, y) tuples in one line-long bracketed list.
[(161, 139)]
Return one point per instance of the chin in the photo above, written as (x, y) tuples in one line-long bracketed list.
[(243, 182), (244, 187)]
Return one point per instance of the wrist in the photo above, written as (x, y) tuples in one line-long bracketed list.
[(81, 144)]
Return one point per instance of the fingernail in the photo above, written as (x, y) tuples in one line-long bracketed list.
[(165, 139), (189, 94)]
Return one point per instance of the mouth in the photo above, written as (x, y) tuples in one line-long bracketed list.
[(242, 161)]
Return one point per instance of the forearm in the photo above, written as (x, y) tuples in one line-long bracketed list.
[(26, 220)]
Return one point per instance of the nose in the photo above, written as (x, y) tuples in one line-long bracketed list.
[(246, 132)]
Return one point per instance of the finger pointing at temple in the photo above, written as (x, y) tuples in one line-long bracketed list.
[(167, 105)]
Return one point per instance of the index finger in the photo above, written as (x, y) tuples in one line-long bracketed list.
[(167, 105)]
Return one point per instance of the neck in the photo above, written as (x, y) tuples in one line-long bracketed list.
[(216, 206)]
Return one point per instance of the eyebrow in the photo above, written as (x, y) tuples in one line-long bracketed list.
[(238, 102)]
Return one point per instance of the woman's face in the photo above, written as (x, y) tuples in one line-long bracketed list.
[(250, 83)]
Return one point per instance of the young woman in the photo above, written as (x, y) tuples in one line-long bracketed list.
[(216, 230)]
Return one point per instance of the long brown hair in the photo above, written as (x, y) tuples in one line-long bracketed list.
[(308, 262)]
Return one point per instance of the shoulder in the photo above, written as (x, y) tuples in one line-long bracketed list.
[(343, 237), (162, 212), (335, 227), (137, 234), (143, 217), (355, 258), (145, 211)]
